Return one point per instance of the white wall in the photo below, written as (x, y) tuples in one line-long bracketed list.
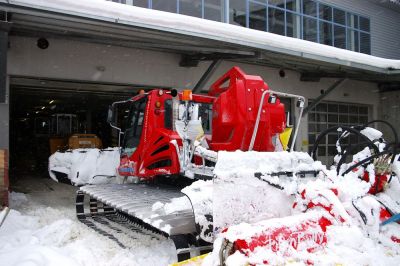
[(78, 61), (385, 25), (389, 110)]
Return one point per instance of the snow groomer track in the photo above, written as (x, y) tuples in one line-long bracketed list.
[(125, 212)]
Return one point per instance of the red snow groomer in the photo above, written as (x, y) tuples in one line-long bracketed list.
[(161, 122), (170, 135), (236, 136)]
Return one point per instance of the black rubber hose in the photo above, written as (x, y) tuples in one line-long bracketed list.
[(345, 128), (344, 155), (396, 136), (366, 160)]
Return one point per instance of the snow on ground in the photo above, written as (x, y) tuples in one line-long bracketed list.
[(44, 235)]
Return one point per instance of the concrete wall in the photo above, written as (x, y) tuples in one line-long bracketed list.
[(389, 110), (80, 61), (385, 29)]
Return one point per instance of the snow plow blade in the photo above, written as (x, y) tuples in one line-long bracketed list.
[(303, 232), (161, 211)]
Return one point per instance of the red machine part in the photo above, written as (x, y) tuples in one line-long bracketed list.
[(379, 184), (307, 234), (234, 111)]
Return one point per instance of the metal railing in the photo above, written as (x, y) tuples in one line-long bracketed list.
[(300, 99)]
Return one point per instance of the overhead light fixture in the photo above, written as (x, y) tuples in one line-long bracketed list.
[(37, 112), (43, 107), (52, 101)]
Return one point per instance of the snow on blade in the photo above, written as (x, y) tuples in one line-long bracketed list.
[(371, 133), (200, 194), (240, 197), (85, 166)]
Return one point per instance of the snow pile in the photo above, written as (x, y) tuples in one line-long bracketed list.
[(85, 166), (45, 236), (198, 197), (371, 133), (173, 207)]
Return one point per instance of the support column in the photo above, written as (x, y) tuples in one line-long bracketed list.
[(4, 113), (4, 104)]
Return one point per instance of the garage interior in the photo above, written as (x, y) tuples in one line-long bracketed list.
[(36, 103)]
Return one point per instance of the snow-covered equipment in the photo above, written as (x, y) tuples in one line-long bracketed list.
[(204, 165), (84, 166), (358, 196), (175, 138)]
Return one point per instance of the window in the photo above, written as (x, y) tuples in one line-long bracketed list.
[(237, 12), (339, 37), (310, 8), (257, 16), (165, 5), (134, 127), (140, 3), (212, 10), (325, 33), (205, 113), (310, 20), (293, 23), (310, 29), (191, 8), (329, 114), (276, 21)]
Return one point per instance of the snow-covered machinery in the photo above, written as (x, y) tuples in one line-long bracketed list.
[(215, 169), (351, 208), (171, 135)]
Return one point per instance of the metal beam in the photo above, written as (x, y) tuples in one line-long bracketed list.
[(322, 96), (4, 29), (206, 76)]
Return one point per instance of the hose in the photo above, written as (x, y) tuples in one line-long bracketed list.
[(345, 129), (391, 148)]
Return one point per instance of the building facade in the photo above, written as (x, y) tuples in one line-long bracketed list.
[(369, 27), (80, 59)]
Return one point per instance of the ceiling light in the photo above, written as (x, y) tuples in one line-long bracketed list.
[(52, 101), (37, 112), (42, 107)]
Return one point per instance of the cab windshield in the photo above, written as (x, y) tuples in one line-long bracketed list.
[(134, 126)]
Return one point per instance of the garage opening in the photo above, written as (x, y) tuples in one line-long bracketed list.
[(44, 113)]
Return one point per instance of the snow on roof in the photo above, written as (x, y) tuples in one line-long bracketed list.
[(192, 26)]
